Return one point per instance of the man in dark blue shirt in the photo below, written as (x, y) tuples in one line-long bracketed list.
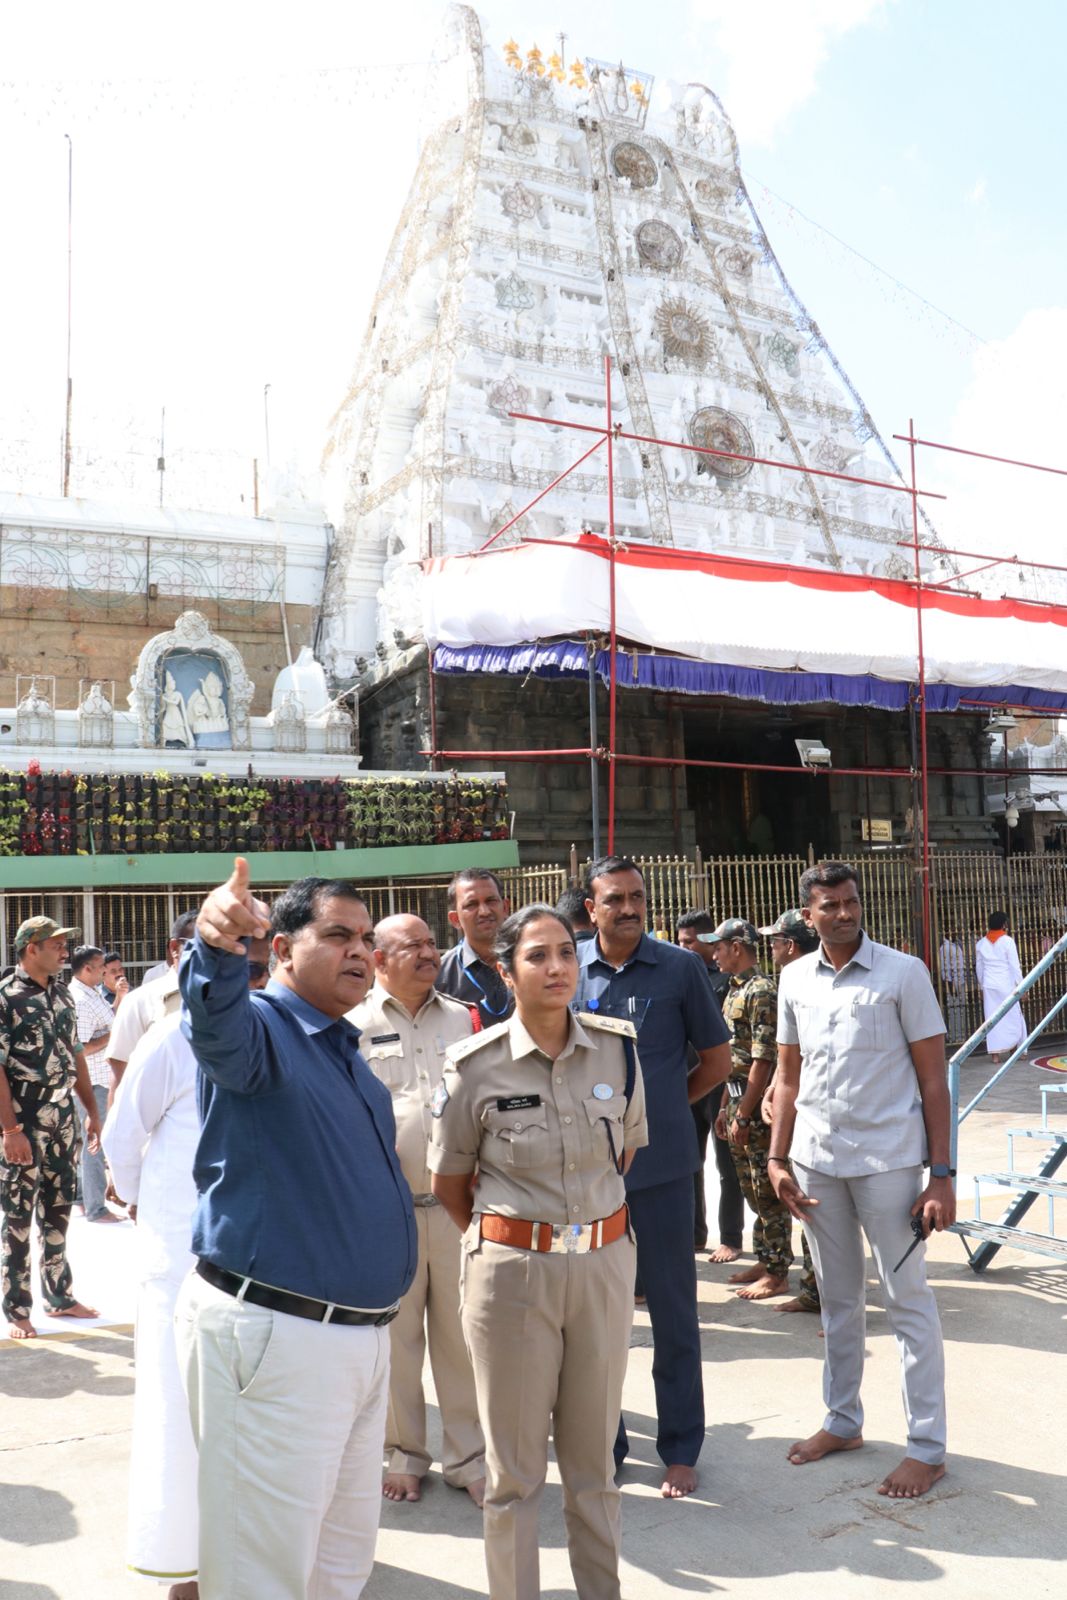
[(305, 1238), (664, 993), (476, 907)]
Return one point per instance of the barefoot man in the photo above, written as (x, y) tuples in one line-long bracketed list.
[(861, 1095), (39, 1171)]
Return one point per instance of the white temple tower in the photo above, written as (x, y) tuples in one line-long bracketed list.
[(563, 210)]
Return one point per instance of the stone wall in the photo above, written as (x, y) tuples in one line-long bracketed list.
[(89, 636)]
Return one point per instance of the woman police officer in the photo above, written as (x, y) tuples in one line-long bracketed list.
[(548, 1109)]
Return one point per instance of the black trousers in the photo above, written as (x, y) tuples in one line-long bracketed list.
[(731, 1200)]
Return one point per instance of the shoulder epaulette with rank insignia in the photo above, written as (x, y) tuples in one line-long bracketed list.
[(593, 1019), (466, 1047)]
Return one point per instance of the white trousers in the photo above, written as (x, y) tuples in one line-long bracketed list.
[(289, 1417), (879, 1204)]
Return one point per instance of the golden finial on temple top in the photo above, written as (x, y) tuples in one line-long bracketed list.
[(512, 56)]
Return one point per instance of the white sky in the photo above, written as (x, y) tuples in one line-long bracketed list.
[(239, 168)]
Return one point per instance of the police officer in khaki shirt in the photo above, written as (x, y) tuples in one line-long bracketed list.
[(548, 1107), (406, 1028)]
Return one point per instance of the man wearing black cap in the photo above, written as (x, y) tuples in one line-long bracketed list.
[(790, 939), (750, 1012), (39, 1170)]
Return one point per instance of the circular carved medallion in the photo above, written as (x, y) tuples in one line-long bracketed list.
[(683, 332), (633, 162), (658, 245), (715, 429)]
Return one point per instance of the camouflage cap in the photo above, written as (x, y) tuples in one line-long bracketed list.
[(732, 928), (34, 929), (791, 925)]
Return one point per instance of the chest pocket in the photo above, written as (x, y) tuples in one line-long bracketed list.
[(866, 1027), (387, 1063), (519, 1138), (605, 1114)]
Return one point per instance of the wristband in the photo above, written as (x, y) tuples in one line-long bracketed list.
[(781, 1161), (743, 1122), (15, 1128)]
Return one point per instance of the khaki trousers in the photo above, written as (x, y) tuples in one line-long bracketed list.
[(430, 1312), (289, 1417), (549, 1337)]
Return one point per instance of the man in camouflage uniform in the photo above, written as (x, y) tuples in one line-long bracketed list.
[(751, 1013), (790, 939), (41, 1064)]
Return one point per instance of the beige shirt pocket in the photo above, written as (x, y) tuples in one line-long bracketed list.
[(605, 1114), (387, 1063), (518, 1138)]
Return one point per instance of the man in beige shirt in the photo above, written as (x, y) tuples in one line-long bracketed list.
[(406, 1027)]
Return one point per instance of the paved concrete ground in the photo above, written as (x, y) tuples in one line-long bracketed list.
[(995, 1526)]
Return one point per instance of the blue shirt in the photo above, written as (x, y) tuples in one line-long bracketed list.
[(464, 976), (663, 991), (296, 1168)]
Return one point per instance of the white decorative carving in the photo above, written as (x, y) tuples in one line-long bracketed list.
[(149, 694), (35, 717), (290, 724), (96, 719)]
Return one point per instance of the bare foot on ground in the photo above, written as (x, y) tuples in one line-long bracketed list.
[(820, 1444), (75, 1310), (109, 1216), (678, 1482), (20, 1328), (747, 1275), (797, 1304), (911, 1479), (723, 1253), (401, 1486), (765, 1288), (190, 1590), (476, 1490)]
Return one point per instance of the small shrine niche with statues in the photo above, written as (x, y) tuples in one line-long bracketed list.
[(188, 708)]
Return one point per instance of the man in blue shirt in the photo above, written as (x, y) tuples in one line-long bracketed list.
[(305, 1238), (477, 908), (665, 994)]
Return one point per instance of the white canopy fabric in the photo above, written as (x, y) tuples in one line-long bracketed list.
[(742, 613)]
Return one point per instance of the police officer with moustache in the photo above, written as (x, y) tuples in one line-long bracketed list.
[(548, 1108)]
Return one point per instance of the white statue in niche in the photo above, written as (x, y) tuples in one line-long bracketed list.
[(174, 724), (207, 709)]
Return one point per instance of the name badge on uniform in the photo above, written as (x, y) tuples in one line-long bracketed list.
[(439, 1101), (603, 1091), (385, 1038), (519, 1102)]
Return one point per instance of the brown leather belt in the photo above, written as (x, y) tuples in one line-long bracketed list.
[(567, 1238)]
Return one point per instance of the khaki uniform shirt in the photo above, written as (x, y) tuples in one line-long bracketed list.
[(38, 1036), (537, 1130), (751, 1013), (407, 1053), (140, 1009)]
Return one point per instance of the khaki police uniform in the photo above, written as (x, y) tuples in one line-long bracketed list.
[(407, 1053), (547, 1326)]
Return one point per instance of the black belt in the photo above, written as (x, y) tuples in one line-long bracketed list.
[(294, 1305)]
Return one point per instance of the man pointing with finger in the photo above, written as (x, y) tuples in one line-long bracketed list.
[(862, 1095), (305, 1239)]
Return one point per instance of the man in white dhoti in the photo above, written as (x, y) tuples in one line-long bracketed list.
[(996, 962), (150, 1140)]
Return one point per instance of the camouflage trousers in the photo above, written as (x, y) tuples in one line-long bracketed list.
[(772, 1233), (808, 1293), (43, 1191)]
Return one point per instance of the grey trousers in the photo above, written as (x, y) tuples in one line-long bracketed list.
[(879, 1205)]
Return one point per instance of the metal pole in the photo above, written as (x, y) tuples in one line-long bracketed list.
[(613, 637), (266, 424), (594, 770), (70, 273), (924, 868), (161, 464)]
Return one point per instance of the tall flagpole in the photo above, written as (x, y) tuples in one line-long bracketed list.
[(70, 259)]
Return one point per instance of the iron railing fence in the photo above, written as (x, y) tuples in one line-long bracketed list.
[(965, 887)]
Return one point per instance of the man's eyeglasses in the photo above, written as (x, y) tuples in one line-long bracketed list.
[(258, 969)]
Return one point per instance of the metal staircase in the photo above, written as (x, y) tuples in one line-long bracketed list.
[(1027, 1187)]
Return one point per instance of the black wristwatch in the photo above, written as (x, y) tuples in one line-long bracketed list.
[(938, 1169), (743, 1122)]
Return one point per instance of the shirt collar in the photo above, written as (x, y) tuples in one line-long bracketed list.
[(380, 997), (20, 972), (310, 1018), (645, 951), (864, 956), (469, 957), (523, 1045)]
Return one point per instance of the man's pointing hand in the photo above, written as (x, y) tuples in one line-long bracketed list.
[(232, 913)]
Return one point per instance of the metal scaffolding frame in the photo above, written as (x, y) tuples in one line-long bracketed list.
[(607, 436)]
